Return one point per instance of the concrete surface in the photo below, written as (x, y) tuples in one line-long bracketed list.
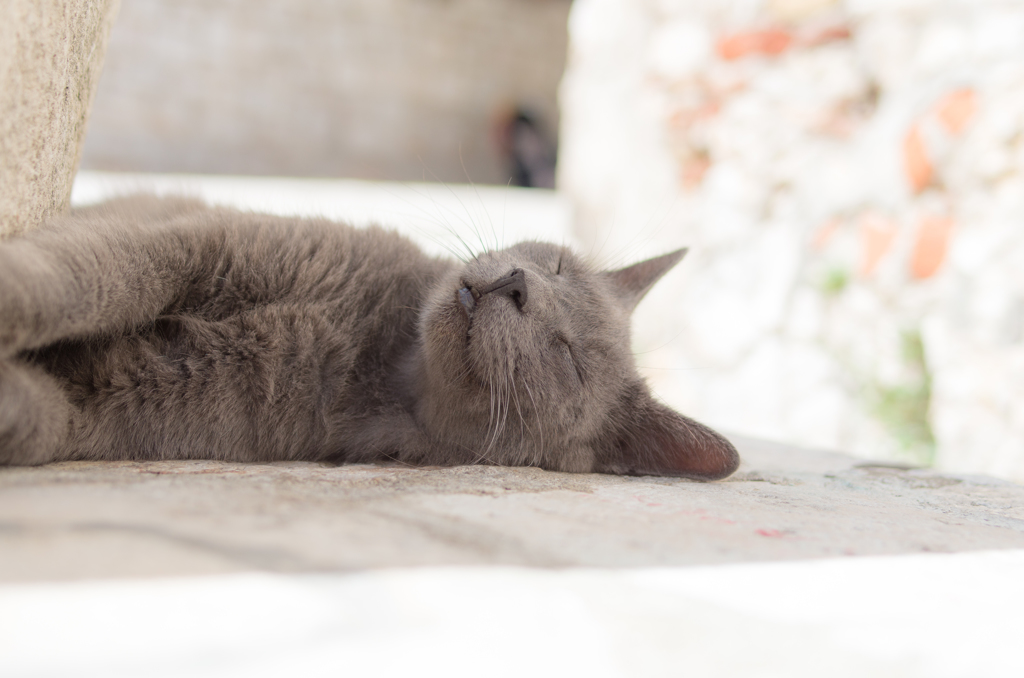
[(934, 616), (215, 570), (51, 53), (87, 520)]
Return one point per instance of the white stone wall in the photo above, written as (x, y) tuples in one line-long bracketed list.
[(850, 178)]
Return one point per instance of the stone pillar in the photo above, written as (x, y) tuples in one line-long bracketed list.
[(51, 54)]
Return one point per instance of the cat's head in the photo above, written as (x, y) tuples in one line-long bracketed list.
[(527, 362)]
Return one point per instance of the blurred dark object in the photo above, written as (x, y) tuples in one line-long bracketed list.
[(529, 154)]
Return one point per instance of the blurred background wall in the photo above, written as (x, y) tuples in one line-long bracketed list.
[(850, 177), (377, 89)]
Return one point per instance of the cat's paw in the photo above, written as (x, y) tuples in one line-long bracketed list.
[(34, 415)]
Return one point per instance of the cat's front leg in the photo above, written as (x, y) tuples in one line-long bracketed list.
[(35, 416), (390, 435), (72, 279)]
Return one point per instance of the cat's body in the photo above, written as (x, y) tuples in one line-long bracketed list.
[(165, 329)]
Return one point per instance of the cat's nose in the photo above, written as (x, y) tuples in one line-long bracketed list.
[(512, 286)]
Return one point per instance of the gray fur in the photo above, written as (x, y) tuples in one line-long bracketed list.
[(151, 328)]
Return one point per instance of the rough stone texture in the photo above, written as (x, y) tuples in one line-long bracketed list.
[(375, 89), (51, 53), (76, 520), (850, 177)]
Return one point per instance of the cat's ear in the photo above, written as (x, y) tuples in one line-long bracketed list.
[(631, 283), (657, 441)]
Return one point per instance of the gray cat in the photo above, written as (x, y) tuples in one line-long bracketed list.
[(150, 328)]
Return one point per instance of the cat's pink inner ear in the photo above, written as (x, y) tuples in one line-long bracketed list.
[(631, 283), (662, 442)]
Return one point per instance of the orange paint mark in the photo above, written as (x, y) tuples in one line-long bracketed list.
[(691, 172), (771, 42), (709, 111), (827, 35), (876, 237), (683, 119), (956, 110), (915, 160), (824, 234), (930, 247), (680, 119), (769, 533)]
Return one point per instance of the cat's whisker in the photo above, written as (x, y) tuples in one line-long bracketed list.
[(465, 373), (492, 420), (596, 256), (455, 252), (679, 369), (396, 460), (539, 426), (504, 205), (439, 219), (490, 414), (658, 348), (519, 411), (628, 251), (483, 207), (492, 427), (433, 219), (471, 221), (500, 415), (499, 428), (457, 199), (504, 416)]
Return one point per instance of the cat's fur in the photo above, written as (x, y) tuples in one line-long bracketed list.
[(151, 328)]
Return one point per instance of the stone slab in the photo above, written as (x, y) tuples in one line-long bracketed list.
[(130, 519), (914, 616)]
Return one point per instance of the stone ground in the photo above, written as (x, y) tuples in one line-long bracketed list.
[(211, 569), (129, 519)]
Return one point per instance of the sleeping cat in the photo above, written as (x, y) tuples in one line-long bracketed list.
[(149, 328)]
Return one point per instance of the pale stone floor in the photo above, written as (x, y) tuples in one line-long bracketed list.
[(206, 568), (80, 519)]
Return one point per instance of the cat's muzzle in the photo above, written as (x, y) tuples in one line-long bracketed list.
[(512, 286)]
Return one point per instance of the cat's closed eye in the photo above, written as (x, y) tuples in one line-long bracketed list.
[(563, 345)]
